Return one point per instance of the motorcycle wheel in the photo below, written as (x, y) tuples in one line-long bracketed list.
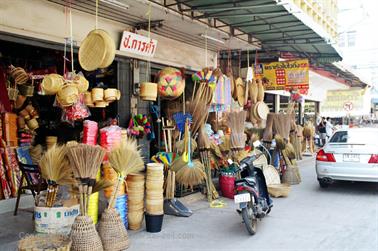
[(249, 219)]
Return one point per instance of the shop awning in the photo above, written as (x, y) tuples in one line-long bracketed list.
[(275, 25)]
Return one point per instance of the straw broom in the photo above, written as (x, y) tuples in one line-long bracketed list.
[(55, 169), (191, 174), (125, 158), (85, 161)]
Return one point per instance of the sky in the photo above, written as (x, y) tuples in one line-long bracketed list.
[(360, 17)]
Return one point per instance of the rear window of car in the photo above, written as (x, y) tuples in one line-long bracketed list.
[(355, 137)]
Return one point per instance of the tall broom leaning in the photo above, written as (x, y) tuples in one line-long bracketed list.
[(124, 159)]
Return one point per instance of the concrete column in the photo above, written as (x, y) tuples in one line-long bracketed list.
[(277, 103)]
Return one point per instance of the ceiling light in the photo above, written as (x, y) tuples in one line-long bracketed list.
[(212, 38), (116, 3)]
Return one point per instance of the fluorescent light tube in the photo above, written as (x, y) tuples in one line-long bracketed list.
[(212, 38)]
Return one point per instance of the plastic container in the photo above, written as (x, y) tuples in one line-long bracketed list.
[(154, 223), (227, 186)]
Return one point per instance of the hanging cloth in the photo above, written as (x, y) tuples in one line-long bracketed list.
[(5, 105)]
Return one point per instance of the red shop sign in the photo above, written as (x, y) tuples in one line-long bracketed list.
[(138, 44)]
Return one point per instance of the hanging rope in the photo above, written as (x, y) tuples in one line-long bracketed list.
[(239, 63), (96, 15), (71, 38), (248, 58), (149, 38), (206, 48)]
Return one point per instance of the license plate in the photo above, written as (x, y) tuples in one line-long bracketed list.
[(244, 197), (351, 158)]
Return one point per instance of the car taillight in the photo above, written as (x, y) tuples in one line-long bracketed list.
[(373, 159), (323, 156)]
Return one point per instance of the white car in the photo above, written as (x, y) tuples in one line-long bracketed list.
[(351, 154)]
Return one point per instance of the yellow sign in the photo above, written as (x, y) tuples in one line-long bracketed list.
[(340, 103), (286, 75)]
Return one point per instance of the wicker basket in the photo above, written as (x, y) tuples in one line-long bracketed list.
[(26, 90), (112, 232), (97, 94), (33, 124), (291, 175), (112, 94), (148, 91), (135, 218), (279, 190), (49, 242), (92, 51), (81, 83), (51, 84), (84, 235), (12, 91), (68, 95), (110, 49), (19, 75), (271, 175)]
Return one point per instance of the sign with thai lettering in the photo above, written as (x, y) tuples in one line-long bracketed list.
[(340, 103), (286, 75), (138, 44)]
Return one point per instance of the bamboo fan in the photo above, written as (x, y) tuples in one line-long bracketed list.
[(125, 159), (56, 170), (85, 161)]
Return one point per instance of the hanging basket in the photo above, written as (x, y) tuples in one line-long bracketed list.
[(51, 84), (112, 94), (148, 91), (49, 242), (68, 95), (171, 83), (84, 235), (26, 90), (112, 232), (12, 91), (19, 75), (81, 83), (97, 94)]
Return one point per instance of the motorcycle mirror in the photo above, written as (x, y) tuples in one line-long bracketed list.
[(256, 143)]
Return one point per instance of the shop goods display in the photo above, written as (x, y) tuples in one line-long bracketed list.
[(135, 191), (50, 242), (97, 50), (10, 174), (171, 83), (277, 124), (236, 123), (148, 91), (9, 128), (112, 232), (56, 170), (279, 190), (51, 84), (12, 91)]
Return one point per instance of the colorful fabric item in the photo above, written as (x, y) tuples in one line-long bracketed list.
[(207, 77), (171, 83), (140, 125), (3, 179), (222, 95)]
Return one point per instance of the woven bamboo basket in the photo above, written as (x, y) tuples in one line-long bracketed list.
[(155, 207), (19, 75), (84, 235), (12, 91), (271, 175), (154, 194), (101, 104), (112, 94), (81, 83), (68, 95), (51, 84), (148, 91), (26, 90), (154, 185), (262, 110), (112, 231), (110, 49), (49, 242), (291, 175), (97, 94), (92, 51), (33, 124), (135, 218), (88, 99), (279, 190)]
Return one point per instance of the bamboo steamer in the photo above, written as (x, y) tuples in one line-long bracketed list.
[(260, 91), (135, 206), (148, 91), (97, 94), (88, 99), (154, 185), (68, 95), (112, 94), (93, 50), (81, 83), (155, 167), (101, 104), (135, 177), (51, 84)]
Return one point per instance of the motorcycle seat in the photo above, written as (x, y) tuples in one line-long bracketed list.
[(249, 181)]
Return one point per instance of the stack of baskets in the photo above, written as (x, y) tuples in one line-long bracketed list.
[(135, 192), (154, 189)]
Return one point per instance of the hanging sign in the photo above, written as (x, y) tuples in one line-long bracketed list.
[(137, 44), (286, 75)]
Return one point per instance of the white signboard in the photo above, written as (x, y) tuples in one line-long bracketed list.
[(137, 44)]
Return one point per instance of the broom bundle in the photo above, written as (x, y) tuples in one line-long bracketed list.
[(56, 170), (236, 123), (85, 161), (125, 159), (280, 142)]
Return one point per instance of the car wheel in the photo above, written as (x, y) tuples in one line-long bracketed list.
[(323, 184)]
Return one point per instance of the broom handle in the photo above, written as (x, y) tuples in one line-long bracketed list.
[(164, 135), (115, 192)]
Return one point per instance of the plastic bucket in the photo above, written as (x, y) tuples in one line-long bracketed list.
[(154, 223), (227, 186)]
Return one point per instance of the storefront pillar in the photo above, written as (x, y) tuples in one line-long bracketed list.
[(277, 103)]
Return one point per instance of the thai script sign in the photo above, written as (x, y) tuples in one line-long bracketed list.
[(138, 44), (340, 103), (286, 75)]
